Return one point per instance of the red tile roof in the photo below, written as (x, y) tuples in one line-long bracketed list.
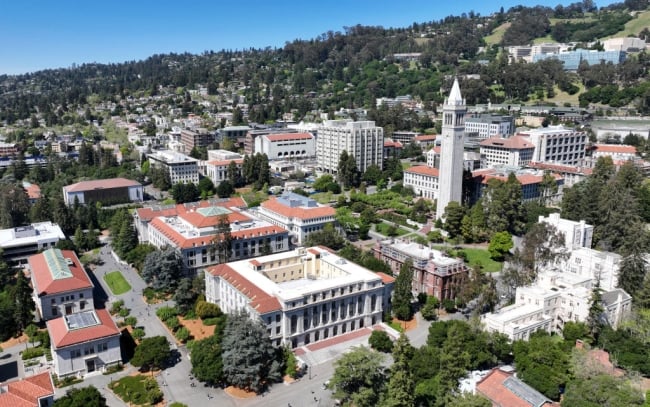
[(425, 137), (385, 278), (61, 336), (259, 299), (514, 142), (492, 387), (524, 179), (101, 184), (33, 191), (391, 143), (561, 168), (300, 212), (614, 148), (225, 163), (288, 136), (423, 170), (28, 391), (146, 214), (44, 282)]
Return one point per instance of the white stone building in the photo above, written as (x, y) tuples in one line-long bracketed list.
[(557, 144), (61, 285), (616, 151), (303, 296), (106, 191), (19, 243), (283, 146), (512, 151), (489, 126), (576, 234), (182, 168), (297, 214), (84, 342), (424, 181), (362, 139)]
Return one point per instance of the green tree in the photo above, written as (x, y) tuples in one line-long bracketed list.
[(453, 215), (359, 377), (473, 225), (322, 183), (328, 237), (225, 189), (222, 241), (469, 400), (151, 353), (596, 311), (380, 341), (500, 245), (429, 309), (249, 359), (403, 293), (542, 363), (347, 171), (185, 296), (372, 175), (401, 386), (207, 365), (601, 390), (24, 302), (82, 397), (163, 269)]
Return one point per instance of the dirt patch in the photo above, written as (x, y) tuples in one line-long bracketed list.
[(239, 393), (14, 341), (197, 329), (407, 325), (288, 379)]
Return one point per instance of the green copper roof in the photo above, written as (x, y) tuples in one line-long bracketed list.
[(58, 265), (213, 211)]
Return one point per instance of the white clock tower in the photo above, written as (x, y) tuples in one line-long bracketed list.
[(450, 180)]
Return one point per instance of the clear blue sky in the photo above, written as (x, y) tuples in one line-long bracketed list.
[(40, 34)]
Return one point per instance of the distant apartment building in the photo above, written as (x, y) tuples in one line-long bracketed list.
[(297, 214), (236, 134), (576, 234), (363, 140), (616, 151), (105, 191), (19, 243), (434, 273), (572, 59), (528, 52), (557, 144), (627, 44), (61, 285), (216, 168), (486, 126), (425, 140), (195, 138), (286, 146), (512, 151), (253, 134), (191, 229), (303, 296), (182, 168), (404, 137), (8, 149), (572, 174)]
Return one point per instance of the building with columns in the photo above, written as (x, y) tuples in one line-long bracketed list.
[(302, 296), (451, 157)]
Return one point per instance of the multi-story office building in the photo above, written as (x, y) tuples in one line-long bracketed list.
[(557, 144), (302, 296), (297, 214), (486, 126), (19, 243), (513, 151), (423, 179), (284, 146), (192, 229), (434, 273), (182, 168), (531, 183), (216, 168), (616, 151), (573, 59), (572, 174), (200, 138), (363, 140), (61, 285)]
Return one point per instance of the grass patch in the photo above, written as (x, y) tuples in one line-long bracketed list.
[(139, 390), (385, 228), (497, 34), (117, 283), (406, 166), (395, 325), (482, 257), (634, 26), (325, 197)]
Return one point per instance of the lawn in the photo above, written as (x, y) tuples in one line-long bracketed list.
[(383, 229), (117, 283), (482, 257), (138, 390)]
